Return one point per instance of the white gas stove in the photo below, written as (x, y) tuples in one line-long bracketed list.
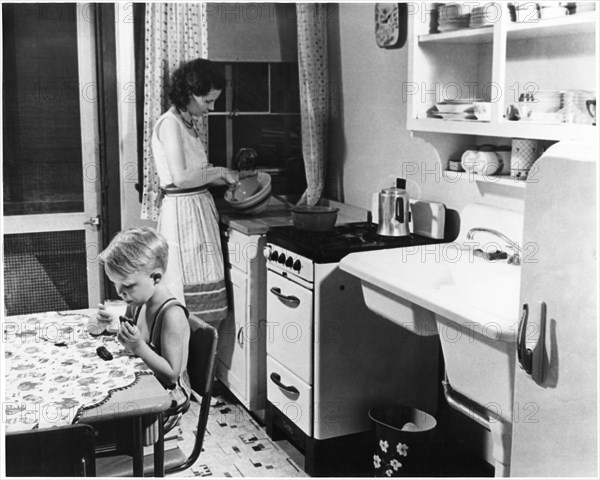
[(329, 358)]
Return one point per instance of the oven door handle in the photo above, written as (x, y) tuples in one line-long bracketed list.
[(276, 379), (289, 300)]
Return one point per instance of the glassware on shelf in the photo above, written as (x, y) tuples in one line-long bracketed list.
[(573, 108)]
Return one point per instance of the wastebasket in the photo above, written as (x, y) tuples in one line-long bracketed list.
[(403, 441)]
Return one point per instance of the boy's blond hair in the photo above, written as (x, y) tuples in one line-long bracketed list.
[(136, 250)]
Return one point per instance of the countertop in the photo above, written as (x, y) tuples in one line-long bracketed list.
[(277, 215), (272, 216)]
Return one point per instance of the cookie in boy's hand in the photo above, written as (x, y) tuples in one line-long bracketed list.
[(127, 320)]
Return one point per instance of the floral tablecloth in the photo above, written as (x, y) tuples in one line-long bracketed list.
[(53, 372)]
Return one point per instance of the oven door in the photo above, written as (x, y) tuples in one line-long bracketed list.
[(290, 325)]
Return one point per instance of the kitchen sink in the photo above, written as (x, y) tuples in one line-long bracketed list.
[(443, 279), (468, 293)]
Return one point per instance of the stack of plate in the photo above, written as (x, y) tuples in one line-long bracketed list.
[(453, 16), (486, 16)]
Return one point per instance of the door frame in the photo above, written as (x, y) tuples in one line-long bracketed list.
[(92, 189)]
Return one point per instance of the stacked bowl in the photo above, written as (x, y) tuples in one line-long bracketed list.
[(251, 194), (453, 16), (486, 16), (454, 110)]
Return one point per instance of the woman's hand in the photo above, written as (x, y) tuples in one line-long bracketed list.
[(129, 336), (230, 177)]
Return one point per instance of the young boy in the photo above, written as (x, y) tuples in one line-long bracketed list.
[(136, 261)]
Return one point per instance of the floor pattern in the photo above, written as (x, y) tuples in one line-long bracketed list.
[(235, 445)]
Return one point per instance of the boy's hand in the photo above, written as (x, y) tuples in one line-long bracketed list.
[(129, 336), (104, 315)]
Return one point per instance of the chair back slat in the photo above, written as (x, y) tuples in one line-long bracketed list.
[(202, 355)]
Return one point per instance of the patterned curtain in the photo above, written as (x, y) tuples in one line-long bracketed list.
[(175, 33), (314, 95)]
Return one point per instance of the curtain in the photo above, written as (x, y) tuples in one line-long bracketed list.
[(175, 33), (314, 95)]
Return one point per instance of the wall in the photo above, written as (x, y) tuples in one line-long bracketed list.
[(368, 143)]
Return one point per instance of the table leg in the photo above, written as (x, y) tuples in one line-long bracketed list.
[(159, 449), (138, 447)]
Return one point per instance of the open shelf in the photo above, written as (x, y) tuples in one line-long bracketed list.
[(514, 57), (505, 180), (578, 24), (475, 35), (555, 131)]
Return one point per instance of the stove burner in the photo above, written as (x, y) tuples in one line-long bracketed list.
[(333, 245)]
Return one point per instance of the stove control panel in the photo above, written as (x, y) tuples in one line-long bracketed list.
[(287, 261)]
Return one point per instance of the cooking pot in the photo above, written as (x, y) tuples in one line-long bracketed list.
[(393, 211), (314, 218)]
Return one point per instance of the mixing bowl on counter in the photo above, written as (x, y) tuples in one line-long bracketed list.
[(251, 194)]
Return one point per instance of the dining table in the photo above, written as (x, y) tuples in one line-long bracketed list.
[(56, 373)]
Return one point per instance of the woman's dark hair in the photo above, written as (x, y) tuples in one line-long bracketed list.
[(197, 77)]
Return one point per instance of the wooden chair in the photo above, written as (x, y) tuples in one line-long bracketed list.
[(67, 451), (201, 366)]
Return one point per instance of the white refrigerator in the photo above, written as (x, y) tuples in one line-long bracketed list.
[(555, 422)]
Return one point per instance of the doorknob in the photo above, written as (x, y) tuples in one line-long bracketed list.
[(94, 221)]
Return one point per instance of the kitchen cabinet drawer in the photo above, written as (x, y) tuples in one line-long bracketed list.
[(241, 250), (290, 395)]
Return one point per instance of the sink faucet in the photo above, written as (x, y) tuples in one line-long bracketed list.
[(515, 259)]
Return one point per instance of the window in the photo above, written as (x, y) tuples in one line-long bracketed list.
[(260, 109)]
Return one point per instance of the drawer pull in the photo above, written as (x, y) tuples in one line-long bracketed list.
[(289, 300), (276, 379)]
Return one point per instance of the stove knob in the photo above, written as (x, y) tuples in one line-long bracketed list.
[(274, 256), (267, 251), (297, 265), (289, 262), (281, 258)]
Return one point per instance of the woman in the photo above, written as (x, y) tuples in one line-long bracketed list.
[(188, 216)]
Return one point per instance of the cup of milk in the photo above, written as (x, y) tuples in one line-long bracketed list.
[(115, 308)]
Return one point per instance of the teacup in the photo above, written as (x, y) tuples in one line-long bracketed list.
[(519, 111), (591, 108), (483, 110)]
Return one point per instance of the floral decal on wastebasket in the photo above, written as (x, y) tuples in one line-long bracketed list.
[(388, 462)]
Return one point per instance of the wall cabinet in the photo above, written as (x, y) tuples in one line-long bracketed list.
[(498, 63), (241, 365)]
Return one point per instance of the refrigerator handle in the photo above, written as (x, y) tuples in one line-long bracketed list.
[(524, 354), (532, 359)]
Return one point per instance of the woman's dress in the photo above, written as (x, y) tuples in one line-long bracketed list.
[(189, 220)]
